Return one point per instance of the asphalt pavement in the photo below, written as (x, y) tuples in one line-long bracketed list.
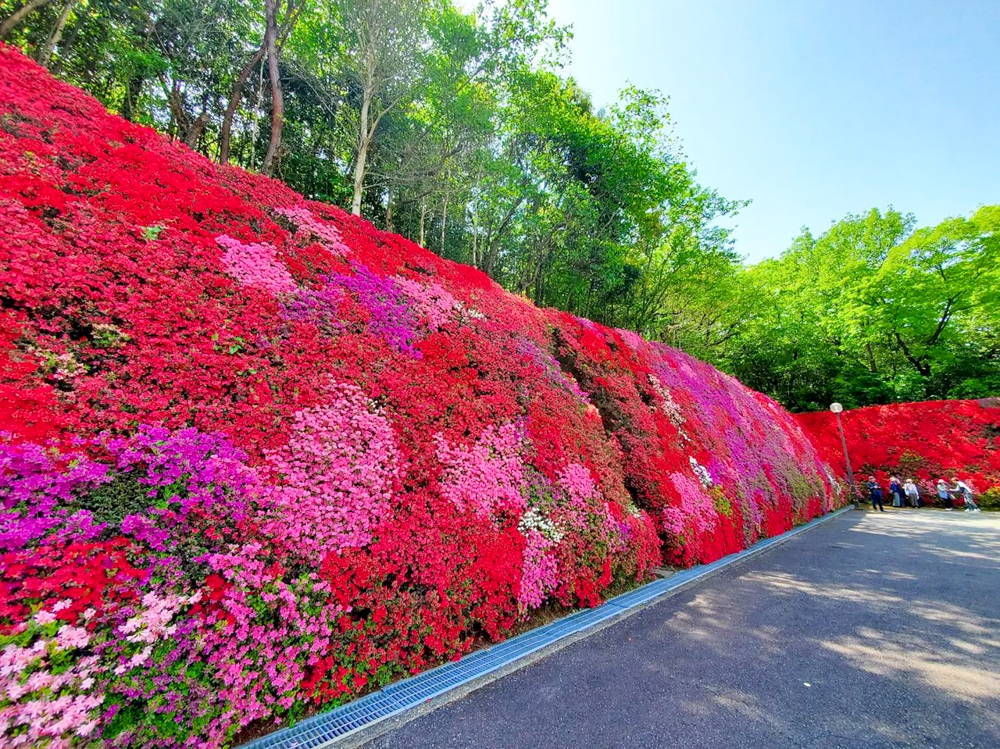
[(870, 631)]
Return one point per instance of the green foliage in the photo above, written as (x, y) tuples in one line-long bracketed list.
[(457, 130), (152, 233), (462, 132), (122, 496), (722, 504), (872, 311), (989, 499)]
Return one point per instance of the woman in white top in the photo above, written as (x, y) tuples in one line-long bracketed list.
[(963, 489)]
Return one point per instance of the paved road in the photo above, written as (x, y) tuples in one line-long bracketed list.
[(871, 631)]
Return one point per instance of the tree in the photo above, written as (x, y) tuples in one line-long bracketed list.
[(942, 278), (874, 311), (384, 56), (277, 102), (19, 15), (292, 12), (459, 130), (44, 55)]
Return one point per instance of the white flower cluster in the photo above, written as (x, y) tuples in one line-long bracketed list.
[(701, 472), (108, 336), (670, 407), (533, 520), (470, 311), (833, 480), (61, 367)]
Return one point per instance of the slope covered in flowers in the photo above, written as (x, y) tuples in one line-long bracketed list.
[(924, 441), (258, 456)]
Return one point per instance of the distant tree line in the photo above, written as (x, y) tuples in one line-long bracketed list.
[(874, 310), (458, 131)]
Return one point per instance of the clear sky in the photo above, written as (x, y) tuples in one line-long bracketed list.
[(813, 109)]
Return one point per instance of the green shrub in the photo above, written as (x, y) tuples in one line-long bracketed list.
[(990, 499), (112, 502)]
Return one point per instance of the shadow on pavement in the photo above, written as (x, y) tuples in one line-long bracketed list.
[(870, 631)]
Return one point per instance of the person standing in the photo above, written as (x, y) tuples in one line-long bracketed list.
[(963, 489), (912, 492), (875, 493), (944, 495), (896, 490)]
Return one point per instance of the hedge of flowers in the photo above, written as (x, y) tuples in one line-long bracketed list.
[(923, 441), (258, 456)]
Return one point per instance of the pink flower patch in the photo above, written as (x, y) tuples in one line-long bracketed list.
[(256, 265), (335, 475), (487, 476)]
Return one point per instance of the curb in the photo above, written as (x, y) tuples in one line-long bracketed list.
[(363, 720)]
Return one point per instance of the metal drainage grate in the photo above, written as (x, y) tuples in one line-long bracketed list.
[(323, 730)]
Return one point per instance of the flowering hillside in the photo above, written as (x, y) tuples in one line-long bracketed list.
[(924, 441), (258, 456)]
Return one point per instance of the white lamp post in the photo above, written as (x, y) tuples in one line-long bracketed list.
[(836, 408)]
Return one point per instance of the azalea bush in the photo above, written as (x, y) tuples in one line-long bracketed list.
[(923, 441), (258, 457)]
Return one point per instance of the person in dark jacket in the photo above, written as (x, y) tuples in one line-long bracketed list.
[(875, 493), (896, 490)]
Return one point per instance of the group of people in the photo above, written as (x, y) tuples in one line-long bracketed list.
[(908, 494)]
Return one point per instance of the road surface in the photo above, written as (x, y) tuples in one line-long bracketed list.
[(870, 631)]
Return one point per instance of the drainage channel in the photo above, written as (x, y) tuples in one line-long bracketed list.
[(321, 731)]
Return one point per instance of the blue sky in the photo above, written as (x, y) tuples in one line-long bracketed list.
[(811, 109)]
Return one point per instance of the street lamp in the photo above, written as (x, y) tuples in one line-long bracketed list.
[(836, 408)]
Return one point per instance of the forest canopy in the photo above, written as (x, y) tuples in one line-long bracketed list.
[(458, 130)]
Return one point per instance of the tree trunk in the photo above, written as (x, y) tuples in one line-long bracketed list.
[(277, 101), (475, 239), (45, 53), (920, 363), (388, 209), (363, 143), (195, 130), (18, 15), (66, 42), (871, 359), (225, 139), (180, 120), (292, 13), (444, 221), (423, 215), (187, 130), (252, 146), (132, 97)]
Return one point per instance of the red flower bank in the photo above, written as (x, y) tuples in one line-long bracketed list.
[(923, 441), (257, 455)]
